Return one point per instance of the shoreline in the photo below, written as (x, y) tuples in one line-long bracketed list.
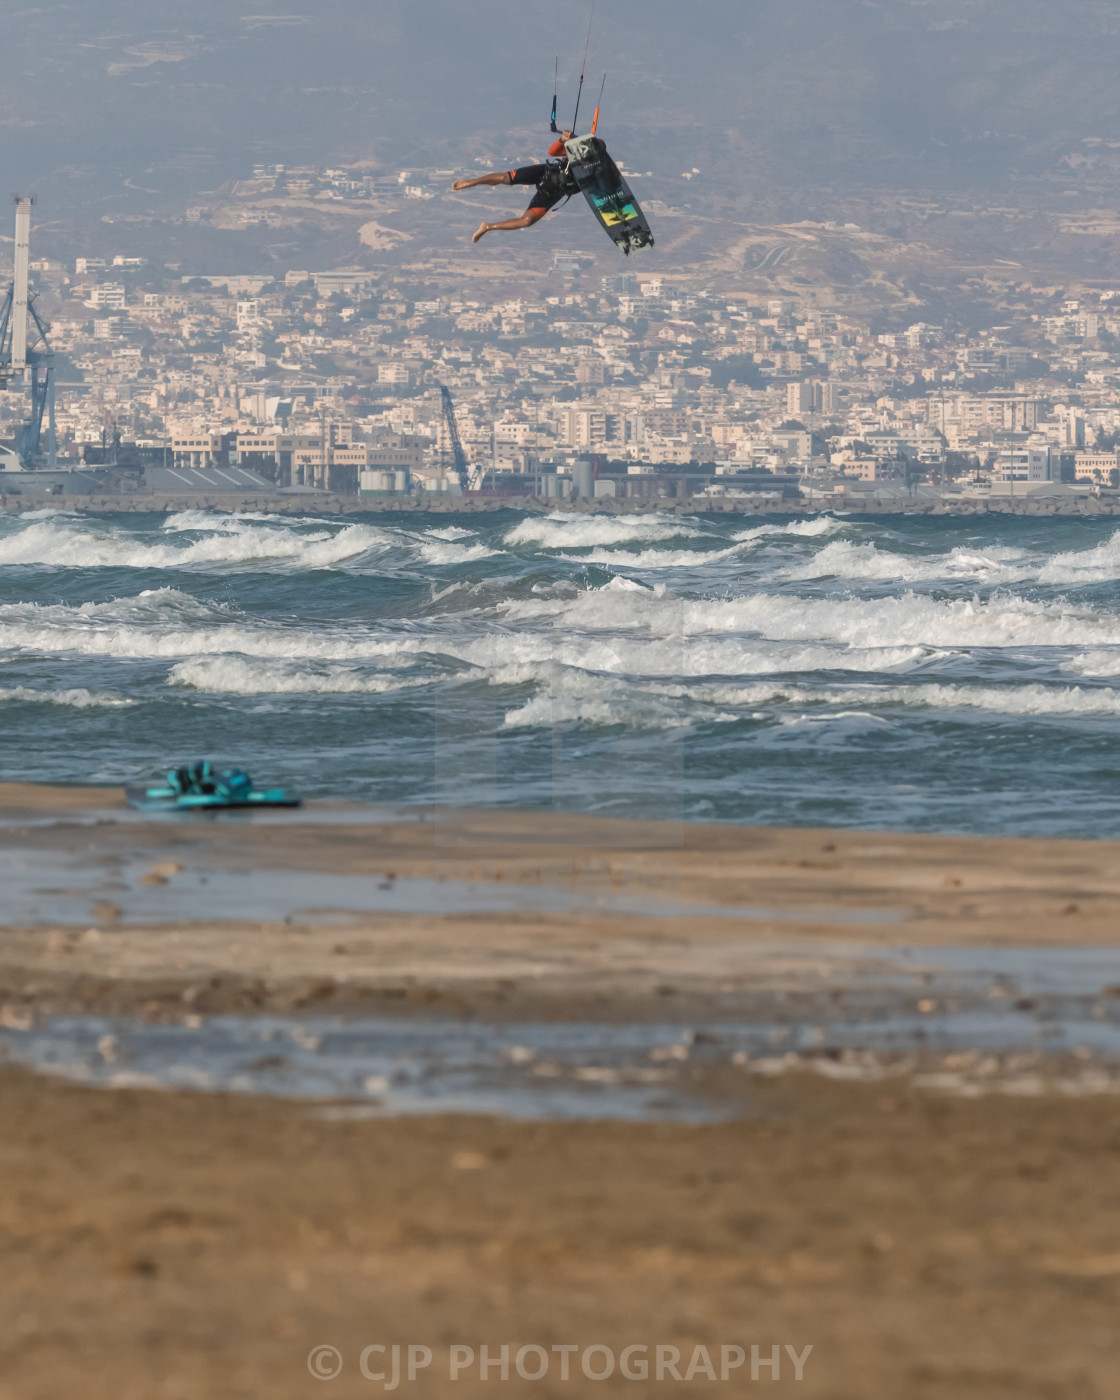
[(501, 913), (958, 1241)]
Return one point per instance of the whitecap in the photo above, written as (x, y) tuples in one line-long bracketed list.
[(1101, 564), (904, 619), (234, 675), (77, 699), (232, 520), (1095, 663), (633, 712), (587, 531), (441, 553), (845, 559), (1020, 700), (812, 528), (53, 545), (652, 558), (164, 623)]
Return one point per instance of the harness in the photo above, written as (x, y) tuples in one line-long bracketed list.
[(558, 181)]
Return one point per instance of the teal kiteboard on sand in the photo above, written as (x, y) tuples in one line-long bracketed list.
[(201, 786)]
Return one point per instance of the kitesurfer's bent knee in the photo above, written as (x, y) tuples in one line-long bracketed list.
[(527, 220)]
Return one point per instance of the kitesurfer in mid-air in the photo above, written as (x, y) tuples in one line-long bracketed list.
[(551, 180)]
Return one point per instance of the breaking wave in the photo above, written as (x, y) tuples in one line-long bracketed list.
[(655, 558), (844, 559), (810, 529), (590, 700), (587, 531), (441, 552), (233, 542), (77, 699), (234, 675), (1094, 663), (1033, 699), (906, 619), (813, 670)]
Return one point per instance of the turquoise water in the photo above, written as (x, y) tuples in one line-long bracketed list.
[(912, 674)]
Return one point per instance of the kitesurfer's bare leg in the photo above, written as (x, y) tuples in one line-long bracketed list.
[(507, 225), (499, 177)]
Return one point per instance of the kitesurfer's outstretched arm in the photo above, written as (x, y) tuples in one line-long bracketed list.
[(506, 177)]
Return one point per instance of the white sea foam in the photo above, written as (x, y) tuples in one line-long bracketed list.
[(236, 675), (587, 531), (451, 532), (568, 696), (1094, 663), (845, 559), (440, 552), (77, 699), (815, 525), (812, 528), (138, 643), (577, 697), (622, 629), (1032, 699), (519, 657), (991, 564), (47, 513), (545, 711), (555, 601), (164, 623), (1086, 566), (65, 545), (653, 558), (201, 520), (905, 619)]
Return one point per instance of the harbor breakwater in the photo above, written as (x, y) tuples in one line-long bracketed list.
[(335, 504)]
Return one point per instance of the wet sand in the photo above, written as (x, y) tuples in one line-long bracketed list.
[(160, 1244), (643, 910)]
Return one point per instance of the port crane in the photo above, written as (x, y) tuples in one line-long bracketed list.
[(469, 477), (25, 349)]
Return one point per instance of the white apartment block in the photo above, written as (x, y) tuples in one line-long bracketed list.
[(109, 296), (1026, 464)]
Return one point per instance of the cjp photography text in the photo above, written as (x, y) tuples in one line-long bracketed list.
[(392, 1365)]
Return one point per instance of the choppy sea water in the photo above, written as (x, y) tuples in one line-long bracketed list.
[(925, 674)]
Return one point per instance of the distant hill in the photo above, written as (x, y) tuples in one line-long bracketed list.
[(790, 108)]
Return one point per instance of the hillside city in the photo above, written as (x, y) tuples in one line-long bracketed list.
[(668, 385)]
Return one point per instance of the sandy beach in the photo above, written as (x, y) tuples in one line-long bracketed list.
[(642, 906), (930, 1225)]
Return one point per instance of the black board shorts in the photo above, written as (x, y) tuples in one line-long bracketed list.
[(544, 198)]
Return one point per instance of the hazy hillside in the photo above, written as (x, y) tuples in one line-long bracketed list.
[(795, 92)]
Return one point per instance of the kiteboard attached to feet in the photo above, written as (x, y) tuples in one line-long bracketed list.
[(202, 786), (601, 182), (606, 191), (576, 164)]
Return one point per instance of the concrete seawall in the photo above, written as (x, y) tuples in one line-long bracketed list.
[(331, 504)]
